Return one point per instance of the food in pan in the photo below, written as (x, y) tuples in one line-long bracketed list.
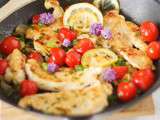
[(78, 60)]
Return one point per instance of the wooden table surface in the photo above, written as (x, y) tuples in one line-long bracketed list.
[(9, 112)]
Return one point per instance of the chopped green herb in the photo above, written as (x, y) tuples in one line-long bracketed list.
[(21, 38), (52, 43), (79, 68), (56, 31), (120, 62), (112, 98), (125, 80), (45, 66), (32, 27), (40, 25), (74, 42)]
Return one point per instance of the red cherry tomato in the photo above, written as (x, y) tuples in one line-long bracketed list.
[(35, 55), (83, 45), (72, 58), (57, 56), (126, 91), (3, 66), (153, 50), (143, 79), (9, 44), (27, 88), (149, 31), (120, 71), (35, 19), (66, 33)]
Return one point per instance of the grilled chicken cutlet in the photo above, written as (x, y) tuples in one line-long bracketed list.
[(15, 72), (36, 31), (44, 37), (126, 42), (77, 102), (64, 79)]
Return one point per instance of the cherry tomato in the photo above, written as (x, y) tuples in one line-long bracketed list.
[(35, 19), (28, 87), (149, 31), (9, 44), (57, 56), (143, 79), (126, 91), (153, 50), (72, 58), (66, 33), (120, 71), (35, 55), (3, 66), (84, 45)]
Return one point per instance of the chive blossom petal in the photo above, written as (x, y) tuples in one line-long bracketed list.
[(52, 67), (46, 18), (106, 33), (109, 75), (96, 29)]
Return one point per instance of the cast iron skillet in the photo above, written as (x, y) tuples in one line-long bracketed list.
[(137, 11)]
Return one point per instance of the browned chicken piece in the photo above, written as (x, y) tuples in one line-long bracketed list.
[(87, 101), (64, 79), (15, 72), (45, 37), (36, 32), (126, 42)]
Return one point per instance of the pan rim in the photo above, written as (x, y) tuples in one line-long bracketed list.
[(106, 113)]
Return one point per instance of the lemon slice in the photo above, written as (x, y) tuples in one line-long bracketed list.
[(81, 16), (100, 57)]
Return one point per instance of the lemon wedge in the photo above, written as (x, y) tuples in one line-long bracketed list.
[(81, 16), (100, 57)]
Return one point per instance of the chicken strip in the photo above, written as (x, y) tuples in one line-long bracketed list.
[(64, 79), (15, 72), (87, 101), (36, 32), (125, 42), (44, 37)]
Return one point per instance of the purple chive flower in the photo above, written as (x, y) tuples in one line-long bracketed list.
[(52, 67), (109, 75), (66, 43), (106, 33), (96, 29), (46, 18)]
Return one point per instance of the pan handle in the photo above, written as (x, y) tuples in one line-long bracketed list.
[(12, 6)]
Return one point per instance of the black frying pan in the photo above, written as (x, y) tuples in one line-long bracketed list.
[(134, 10)]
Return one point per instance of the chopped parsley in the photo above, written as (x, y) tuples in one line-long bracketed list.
[(120, 62), (79, 68)]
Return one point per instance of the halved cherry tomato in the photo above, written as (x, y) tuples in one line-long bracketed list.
[(35, 19), (35, 55), (84, 45), (120, 71), (149, 31), (72, 58), (9, 44), (126, 91), (3, 66), (28, 87), (66, 33), (57, 56), (153, 50), (143, 79)]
